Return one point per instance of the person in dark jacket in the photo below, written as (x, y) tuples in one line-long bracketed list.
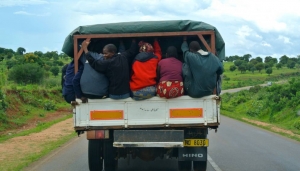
[(115, 67), (63, 74), (71, 88), (201, 70)]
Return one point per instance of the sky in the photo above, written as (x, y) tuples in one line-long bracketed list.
[(257, 27)]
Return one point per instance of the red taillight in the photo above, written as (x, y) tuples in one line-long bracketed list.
[(97, 134)]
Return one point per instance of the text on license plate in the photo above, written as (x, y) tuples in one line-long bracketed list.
[(195, 143)]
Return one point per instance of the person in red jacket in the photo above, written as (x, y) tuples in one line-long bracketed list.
[(143, 77)]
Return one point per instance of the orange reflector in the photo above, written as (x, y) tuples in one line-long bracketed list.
[(186, 113), (106, 114)]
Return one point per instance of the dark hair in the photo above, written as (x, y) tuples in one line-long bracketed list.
[(194, 46), (111, 48), (172, 52)]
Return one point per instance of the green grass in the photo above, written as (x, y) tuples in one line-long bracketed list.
[(260, 105), (234, 79)]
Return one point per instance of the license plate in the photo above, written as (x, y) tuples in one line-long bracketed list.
[(195, 143)]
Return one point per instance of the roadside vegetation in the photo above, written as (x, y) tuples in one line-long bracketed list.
[(30, 88), (276, 105), (241, 71)]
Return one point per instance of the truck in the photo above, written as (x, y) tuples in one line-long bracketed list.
[(153, 128)]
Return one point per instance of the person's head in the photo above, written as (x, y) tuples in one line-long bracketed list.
[(109, 50), (145, 47), (194, 46), (172, 52)]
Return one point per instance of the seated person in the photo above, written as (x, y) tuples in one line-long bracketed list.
[(169, 75), (63, 74), (115, 67), (143, 77), (94, 84), (71, 87), (200, 70)]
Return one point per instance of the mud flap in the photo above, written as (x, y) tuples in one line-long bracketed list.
[(192, 154)]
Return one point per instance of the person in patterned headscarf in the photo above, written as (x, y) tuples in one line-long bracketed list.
[(143, 76), (169, 75)]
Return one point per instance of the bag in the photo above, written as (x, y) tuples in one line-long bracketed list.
[(93, 82)]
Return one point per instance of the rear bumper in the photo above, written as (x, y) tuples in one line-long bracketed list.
[(148, 138)]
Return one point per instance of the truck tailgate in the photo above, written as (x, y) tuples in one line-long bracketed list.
[(154, 112)]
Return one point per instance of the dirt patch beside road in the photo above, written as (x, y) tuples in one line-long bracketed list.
[(16, 152), (272, 127)]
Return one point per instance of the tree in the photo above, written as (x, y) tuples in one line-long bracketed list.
[(253, 69), (279, 65), (283, 60), (259, 59), (269, 71), (54, 70), (259, 66), (242, 67), (253, 61), (34, 73), (21, 50), (10, 64), (238, 62), (247, 57), (232, 68), (291, 64), (31, 57), (1, 58), (250, 66), (268, 59), (38, 53), (55, 55), (9, 55)]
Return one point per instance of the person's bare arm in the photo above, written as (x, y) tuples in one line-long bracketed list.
[(84, 46)]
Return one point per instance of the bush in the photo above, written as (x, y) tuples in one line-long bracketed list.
[(54, 70), (49, 105), (297, 124), (29, 73), (52, 82)]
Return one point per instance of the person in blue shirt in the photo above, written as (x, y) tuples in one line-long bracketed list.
[(71, 87)]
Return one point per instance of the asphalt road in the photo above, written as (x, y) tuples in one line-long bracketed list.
[(236, 146)]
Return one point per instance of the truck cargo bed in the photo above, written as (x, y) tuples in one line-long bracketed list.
[(155, 112)]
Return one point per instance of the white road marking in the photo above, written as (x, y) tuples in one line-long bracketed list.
[(214, 165)]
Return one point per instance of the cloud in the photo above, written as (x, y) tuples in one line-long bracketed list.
[(8, 3), (257, 27), (285, 40), (23, 13), (265, 44), (27, 13)]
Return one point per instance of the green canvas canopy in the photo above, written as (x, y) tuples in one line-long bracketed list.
[(123, 28)]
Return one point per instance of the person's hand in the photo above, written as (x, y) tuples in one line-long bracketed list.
[(84, 99), (184, 38), (85, 44)]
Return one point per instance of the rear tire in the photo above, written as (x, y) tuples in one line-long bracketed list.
[(110, 163), (184, 165), (199, 165), (95, 153)]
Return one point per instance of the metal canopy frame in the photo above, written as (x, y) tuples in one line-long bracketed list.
[(211, 48)]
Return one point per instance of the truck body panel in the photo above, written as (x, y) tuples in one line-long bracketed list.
[(154, 112)]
